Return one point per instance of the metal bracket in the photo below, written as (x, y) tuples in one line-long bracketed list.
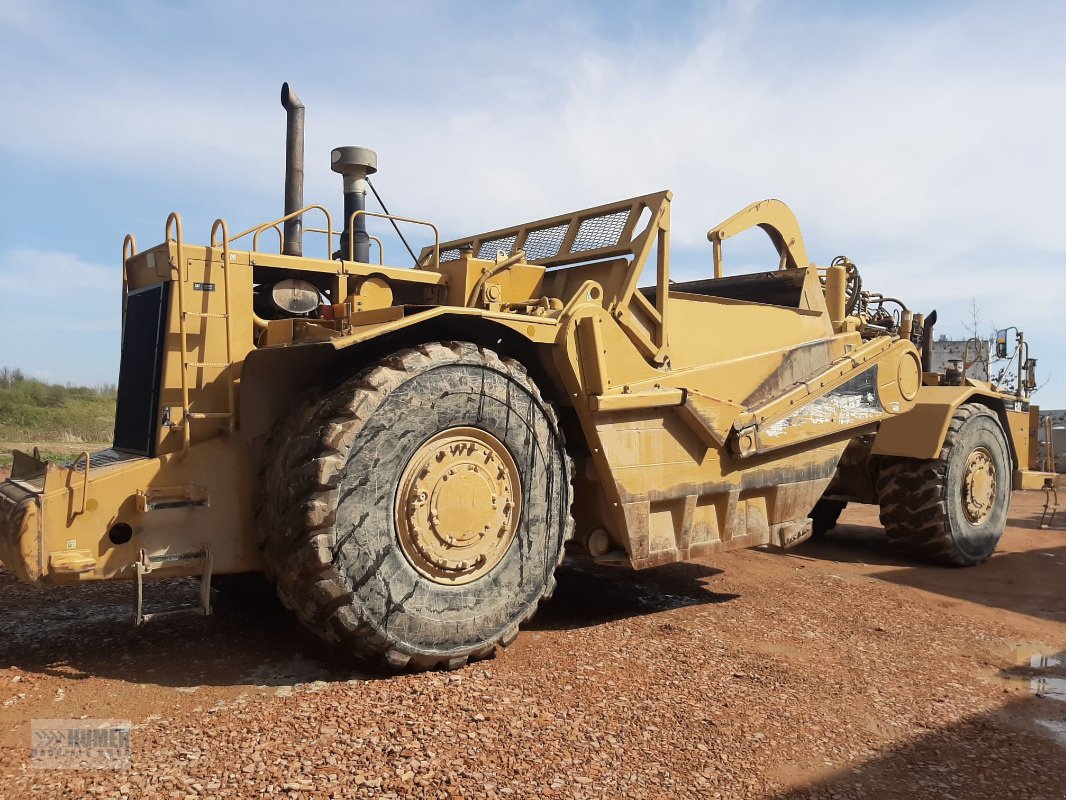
[(1051, 505), (190, 495), (146, 564)]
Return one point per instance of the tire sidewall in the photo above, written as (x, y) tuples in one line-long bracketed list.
[(977, 542)]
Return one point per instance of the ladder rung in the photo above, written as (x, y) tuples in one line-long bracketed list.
[(207, 364), (208, 414), (206, 315)]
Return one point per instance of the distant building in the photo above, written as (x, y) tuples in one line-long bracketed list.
[(946, 350), (1058, 434)]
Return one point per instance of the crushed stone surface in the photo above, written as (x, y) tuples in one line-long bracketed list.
[(837, 670)]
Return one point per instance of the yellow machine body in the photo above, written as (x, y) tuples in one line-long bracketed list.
[(702, 416)]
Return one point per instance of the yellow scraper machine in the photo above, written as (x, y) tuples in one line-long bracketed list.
[(404, 452)]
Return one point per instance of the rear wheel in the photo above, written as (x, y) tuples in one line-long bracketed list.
[(951, 509), (417, 512)]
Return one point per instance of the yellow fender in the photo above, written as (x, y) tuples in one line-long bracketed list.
[(920, 433)]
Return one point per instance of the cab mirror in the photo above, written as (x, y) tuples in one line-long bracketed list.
[(1001, 344)]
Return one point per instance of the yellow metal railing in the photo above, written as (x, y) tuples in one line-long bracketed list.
[(220, 224), (394, 218), (85, 481), (338, 234), (129, 250), (174, 233), (254, 228), (255, 231), (174, 221)]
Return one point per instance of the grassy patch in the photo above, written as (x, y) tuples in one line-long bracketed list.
[(40, 413), (47, 455)]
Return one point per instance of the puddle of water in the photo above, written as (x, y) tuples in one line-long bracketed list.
[(1052, 687), (1045, 686), (1039, 660)]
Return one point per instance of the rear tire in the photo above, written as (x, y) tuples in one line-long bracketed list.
[(370, 543), (951, 510)]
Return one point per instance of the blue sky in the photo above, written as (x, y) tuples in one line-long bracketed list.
[(922, 140)]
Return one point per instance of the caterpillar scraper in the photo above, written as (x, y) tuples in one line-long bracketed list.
[(407, 452)]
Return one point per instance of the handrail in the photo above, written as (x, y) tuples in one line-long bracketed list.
[(221, 223), (129, 250), (85, 481), (185, 426), (394, 218), (256, 229), (375, 239), (329, 224), (258, 321)]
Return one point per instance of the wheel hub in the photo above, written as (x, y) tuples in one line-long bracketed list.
[(458, 505), (979, 486)]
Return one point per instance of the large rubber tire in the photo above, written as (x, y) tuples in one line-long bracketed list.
[(824, 516), (923, 501), (330, 488)]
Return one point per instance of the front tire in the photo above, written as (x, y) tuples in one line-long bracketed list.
[(952, 509), (416, 513)]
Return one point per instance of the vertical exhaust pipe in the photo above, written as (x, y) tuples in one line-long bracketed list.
[(294, 170), (927, 341), (355, 164)]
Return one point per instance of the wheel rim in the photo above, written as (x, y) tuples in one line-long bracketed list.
[(458, 505), (979, 486)]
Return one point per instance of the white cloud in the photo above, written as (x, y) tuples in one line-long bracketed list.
[(59, 315), (921, 142), (62, 279)]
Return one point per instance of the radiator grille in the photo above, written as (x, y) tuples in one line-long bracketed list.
[(143, 340)]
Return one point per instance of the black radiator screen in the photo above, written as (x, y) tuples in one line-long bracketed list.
[(143, 340)]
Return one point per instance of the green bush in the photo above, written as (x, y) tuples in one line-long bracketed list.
[(33, 411)]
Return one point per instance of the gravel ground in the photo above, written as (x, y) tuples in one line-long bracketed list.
[(837, 671)]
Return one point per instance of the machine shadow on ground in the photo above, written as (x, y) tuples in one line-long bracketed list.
[(1028, 581), (589, 594), (87, 631), (1015, 741)]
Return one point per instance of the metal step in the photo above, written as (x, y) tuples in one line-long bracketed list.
[(1051, 506), (145, 564)]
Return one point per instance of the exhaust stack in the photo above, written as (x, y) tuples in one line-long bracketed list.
[(355, 164), (294, 170)]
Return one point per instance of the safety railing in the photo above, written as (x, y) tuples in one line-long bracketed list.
[(174, 223), (84, 481), (129, 250), (257, 229), (174, 233), (394, 218), (338, 234), (175, 220)]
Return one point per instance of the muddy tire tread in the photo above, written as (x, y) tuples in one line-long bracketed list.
[(297, 508), (913, 498)]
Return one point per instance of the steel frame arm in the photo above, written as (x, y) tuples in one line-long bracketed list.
[(780, 225)]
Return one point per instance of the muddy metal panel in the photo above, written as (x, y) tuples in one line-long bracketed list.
[(57, 530), (677, 479)]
